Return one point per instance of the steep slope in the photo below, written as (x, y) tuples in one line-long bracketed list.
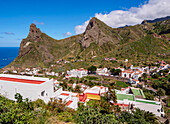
[(139, 42), (40, 49)]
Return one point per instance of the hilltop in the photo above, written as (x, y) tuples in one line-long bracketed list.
[(139, 43)]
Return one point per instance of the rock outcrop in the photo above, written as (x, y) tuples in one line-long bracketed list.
[(95, 34), (34, 33), (26, 44)]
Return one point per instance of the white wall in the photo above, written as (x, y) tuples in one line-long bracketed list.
[(30, 91)]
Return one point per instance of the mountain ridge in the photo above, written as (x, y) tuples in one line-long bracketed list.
[(156, 20), (39, 49)]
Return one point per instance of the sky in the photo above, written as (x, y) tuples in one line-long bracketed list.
[(64, 18)]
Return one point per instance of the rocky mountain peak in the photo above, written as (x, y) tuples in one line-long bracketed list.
[(95, 33), (92, 23), (34, 33), (26, 44)]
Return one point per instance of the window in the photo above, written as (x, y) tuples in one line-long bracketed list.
[(42, 93)]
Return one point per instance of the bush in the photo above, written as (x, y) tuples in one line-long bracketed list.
[(93, 116), (156, 76)]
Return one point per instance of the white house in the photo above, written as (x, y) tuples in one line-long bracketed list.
[(127, 73), (164, 66), (125, 100), (102, 71), (51, 74), (29, 87), (133, 81), (122, 69), (76, 73), (136, 68), (71, 99)]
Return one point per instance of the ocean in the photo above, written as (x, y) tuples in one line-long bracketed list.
[(7, 55)]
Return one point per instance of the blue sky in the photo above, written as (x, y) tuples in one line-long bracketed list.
[(57, 18)]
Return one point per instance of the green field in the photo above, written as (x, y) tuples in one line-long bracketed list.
[(124, 96), (136, 92), (142, 93), (121, 84), (146, 102)]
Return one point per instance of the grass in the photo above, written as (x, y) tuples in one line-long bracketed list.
[(92, 78), (142, 93), (146, 102), (136, 92), (73, 78), (121, 84), (124, 96)]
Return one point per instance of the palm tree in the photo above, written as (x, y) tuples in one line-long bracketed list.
[(150, 117), (77, 89), (160, 92), (117, 110), (112, 94)]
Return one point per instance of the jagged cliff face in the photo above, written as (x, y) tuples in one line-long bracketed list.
[(26, 44), (95, 34), (38, 49), (34, 33)]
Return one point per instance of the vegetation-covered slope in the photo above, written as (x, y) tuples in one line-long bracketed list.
[(143, 42)]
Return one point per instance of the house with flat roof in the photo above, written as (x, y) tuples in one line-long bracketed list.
[(77, 73), (71, 99), (29, 87), (135, 97), (127, 73), (102, 71), (93, 93)]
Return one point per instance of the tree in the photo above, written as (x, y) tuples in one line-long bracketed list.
[(115, 71), (91, 115), (156, 76), (112, 71), (144, 75), (18, 97), (92, 69), (112, 95), (149, 96), (71, 81), (150, 117), (55, 105), (137, 117), (64, 85), (117, 110), (77, 89), (160, 92), (70, 89)]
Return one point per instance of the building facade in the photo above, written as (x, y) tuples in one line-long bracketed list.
[(32, 88)]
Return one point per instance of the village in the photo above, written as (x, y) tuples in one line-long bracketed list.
[(82, 85)]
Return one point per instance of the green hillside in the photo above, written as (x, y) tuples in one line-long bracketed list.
[(147, 42)]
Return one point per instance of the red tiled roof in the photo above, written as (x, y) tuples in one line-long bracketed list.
[(65, 94), (125, 105), (82, 98), (69, 102), (21, 80)]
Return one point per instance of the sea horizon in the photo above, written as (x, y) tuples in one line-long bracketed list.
[(7, 55)]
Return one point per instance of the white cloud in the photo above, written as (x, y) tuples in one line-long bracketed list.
[(67, 34), (135, 15), (81, 28), (38, 23)]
